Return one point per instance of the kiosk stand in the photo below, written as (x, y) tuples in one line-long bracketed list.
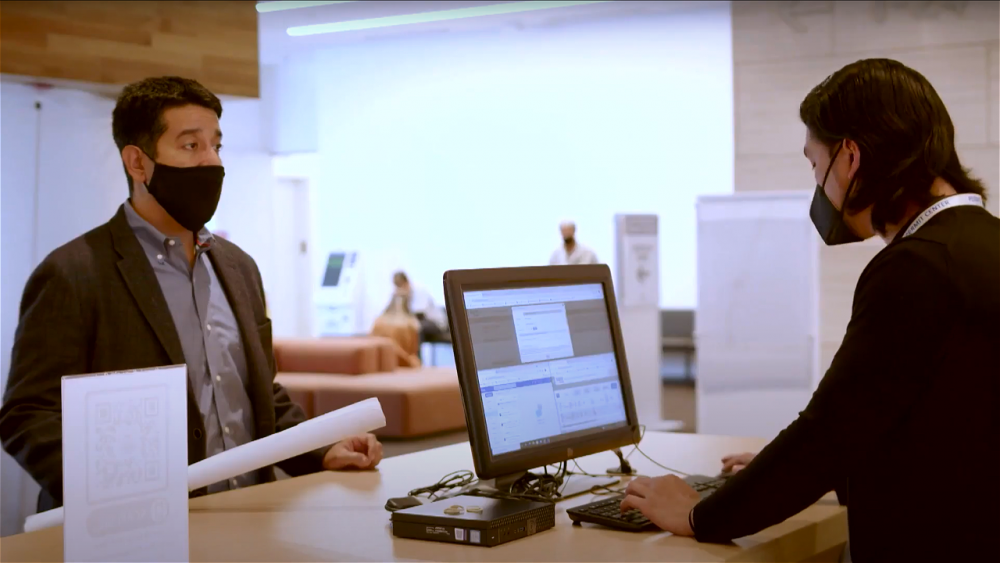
[(339, 300), (637, 261)]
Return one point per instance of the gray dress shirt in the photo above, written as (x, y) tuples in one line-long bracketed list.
[(210, 338)]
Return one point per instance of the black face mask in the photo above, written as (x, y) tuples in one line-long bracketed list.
[(189, 195), (829, 222)]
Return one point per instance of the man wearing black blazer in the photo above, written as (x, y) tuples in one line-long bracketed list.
[(152, 287)]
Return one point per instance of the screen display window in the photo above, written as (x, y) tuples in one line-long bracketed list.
[(334, 266), (546, 364)]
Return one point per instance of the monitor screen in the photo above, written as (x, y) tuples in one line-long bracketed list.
[(546, 365), (334, 265)]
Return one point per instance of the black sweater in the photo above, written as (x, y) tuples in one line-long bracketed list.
[(907, 418)]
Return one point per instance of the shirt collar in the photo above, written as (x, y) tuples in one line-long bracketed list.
[(144, 230)]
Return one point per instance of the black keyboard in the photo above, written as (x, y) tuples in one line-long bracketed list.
[(608, 512), (706, 487)]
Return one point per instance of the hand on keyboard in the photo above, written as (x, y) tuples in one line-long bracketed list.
[(666, 501), (735, 462), (607, 512)]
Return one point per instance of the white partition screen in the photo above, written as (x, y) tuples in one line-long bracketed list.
[(756, 319)]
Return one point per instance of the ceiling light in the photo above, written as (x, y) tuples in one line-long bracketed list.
[(264, 7), (426, 17)]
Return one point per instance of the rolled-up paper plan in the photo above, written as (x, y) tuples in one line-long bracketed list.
[(47, 519), (312, 434)]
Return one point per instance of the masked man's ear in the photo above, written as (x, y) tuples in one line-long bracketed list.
[(137, 164), (853, 156)]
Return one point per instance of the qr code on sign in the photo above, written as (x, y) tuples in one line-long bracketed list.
[(127, 448)]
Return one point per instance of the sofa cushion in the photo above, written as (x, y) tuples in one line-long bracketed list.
[(347, 355), (416, 402), (303, 398)]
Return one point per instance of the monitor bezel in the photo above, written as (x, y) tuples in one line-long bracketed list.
[(488, 466)]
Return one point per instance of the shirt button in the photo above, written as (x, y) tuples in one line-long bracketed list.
[(209, 327), (218, 378), (233, 482), (159, 257), (225, 429), (171, 242)]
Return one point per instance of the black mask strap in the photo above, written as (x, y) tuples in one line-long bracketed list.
[(827, 175)]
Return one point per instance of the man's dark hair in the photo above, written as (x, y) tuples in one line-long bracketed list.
[(904, 132), (138, 115), (399, 278)]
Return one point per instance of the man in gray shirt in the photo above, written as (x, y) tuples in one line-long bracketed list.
[(153, 287)]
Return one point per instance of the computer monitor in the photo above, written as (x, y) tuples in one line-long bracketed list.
[(541, 365)]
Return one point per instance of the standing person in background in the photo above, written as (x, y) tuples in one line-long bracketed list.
[(571, 252), (433, 323)]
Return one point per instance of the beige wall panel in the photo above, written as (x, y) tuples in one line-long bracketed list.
[(769, 31), (773, 172), (884, 27), (985, 165)]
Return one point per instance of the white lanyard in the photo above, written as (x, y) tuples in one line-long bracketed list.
[(946, 203)]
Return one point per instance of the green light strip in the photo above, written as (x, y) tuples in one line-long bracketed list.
[(426, 17), (264, 7)]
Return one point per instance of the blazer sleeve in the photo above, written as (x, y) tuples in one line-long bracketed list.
[(50, 342), (286, 412), (884, 363)]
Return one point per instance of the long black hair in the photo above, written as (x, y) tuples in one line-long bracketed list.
[(902, 128)]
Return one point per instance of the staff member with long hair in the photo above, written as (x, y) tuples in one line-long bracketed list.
[(906, 421)]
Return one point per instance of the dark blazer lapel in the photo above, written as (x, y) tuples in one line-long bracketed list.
[(145, 288), (240, 301)]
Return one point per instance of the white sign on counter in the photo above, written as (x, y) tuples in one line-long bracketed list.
[(125, 471)]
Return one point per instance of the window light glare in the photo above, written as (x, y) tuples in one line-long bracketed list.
[(280, 5), (436, 16)]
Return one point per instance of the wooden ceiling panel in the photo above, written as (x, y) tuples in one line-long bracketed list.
[(117, 42)]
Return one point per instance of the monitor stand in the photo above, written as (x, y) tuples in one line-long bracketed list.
[(577, 484)]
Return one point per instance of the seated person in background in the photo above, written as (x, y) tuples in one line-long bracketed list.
[(151, 287), (433, 324), (398, 324)]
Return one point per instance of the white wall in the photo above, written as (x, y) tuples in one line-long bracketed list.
[(19, 130), (245, 211), (57, 184), (466, 151), (288, 93), (62, 176), (81, 182)]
